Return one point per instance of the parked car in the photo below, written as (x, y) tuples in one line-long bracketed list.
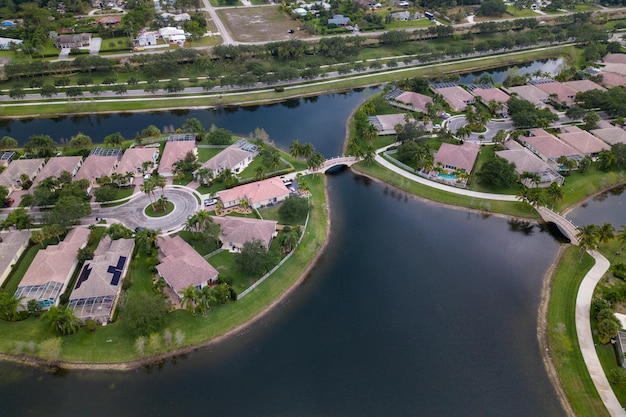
[(209, 202)]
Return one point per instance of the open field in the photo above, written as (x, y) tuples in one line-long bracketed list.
[(257, 24)]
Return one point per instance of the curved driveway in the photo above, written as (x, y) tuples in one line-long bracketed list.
[(132, 213)]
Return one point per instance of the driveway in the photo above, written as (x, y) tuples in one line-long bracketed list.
[(132, 213)]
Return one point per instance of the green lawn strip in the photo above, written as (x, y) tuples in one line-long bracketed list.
[(579, 186), (254, 97), (16, 275), (204, 154), (112, 343), (201, 245), (503, 207), (562, 336), (249, 172), (121, 193), (487, 153)]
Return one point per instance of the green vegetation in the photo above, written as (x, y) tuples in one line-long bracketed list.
[(160, 212), (563, 340), (511, 208)]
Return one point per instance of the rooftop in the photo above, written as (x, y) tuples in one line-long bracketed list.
[(584, 141), (583, 85), (611, 135), (548, 145), (459, 156), (9, 247), (255, 192), (174, 151), (530, 93), (612, 79), (416, 100), (229, 158), (526, 161), (563, 93), (488, 94), (133, 159), (457, 97), (57, 165), (95, 167), (239, 230), (11, 175)]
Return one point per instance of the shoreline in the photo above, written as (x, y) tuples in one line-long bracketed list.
[(158, 359)]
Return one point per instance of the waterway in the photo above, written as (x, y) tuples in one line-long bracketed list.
[(607, 207), (549, 66), (414, 309)]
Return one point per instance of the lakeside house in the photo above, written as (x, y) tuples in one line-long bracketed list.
[(487, 94), (548, 147), (457, 157), (12, 245), (580, 86), (236, 157), (611, 79), (57, 165), (235, 231), (583, 141), (526, 161), (556, 91), (456, 96), (258, 194), (13, 176), (100, 163), (133, 160), (175, 150), (409, 100), (181, 266), (530, 93), (386, 123), (51, 270), (99, 283)]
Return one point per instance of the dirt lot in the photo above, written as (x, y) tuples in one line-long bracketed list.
[(257, 24)]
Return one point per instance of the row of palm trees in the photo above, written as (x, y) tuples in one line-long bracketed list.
[(149, 187), (200, 299), (307, 151)]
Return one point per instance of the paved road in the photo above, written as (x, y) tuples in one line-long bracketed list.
[(132, 214), (456, 122)]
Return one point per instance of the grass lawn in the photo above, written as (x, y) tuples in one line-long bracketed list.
[(204, 154), (113, 343), (121, 193), (486, 153), (224, 262), (562, 336), (151, 212), (202, 246), (579, 186), (250, 171), (504, 207)]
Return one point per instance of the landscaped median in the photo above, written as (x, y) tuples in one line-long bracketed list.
[(114, 344)]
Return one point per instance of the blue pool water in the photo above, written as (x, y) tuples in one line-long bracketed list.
[(447, 176)]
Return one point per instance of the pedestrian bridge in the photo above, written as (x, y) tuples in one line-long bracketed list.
[(335, 162), (566, 226)]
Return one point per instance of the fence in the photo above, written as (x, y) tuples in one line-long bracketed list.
[(266, 276)]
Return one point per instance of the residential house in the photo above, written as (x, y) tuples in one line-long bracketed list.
[(488, 94), (258, 194), (611, 135), (461, 157), (530, 93), (236, 158), (12, 176), (133, 160), (580, 86), (57, 165), (526, 161), (235, 231), (147, 39), (556, 91), (5, 43), (109, 21), (457, 97), (583, 141), (410, 100), (611, 79), (100, 163), (51, 270), (6, 157), (339, 20), (75, 40), (181, 266), (179, 18), (12, 245), (175, 150), (387, 123), (548, 147), (172, 35), (99, 284)]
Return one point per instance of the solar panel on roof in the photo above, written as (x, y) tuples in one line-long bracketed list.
[(84, 275), (117, 270)]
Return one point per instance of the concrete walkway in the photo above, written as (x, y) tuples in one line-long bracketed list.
[(585, 338), (442, 187)]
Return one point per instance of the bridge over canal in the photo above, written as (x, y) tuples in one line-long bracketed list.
[(567, 227)]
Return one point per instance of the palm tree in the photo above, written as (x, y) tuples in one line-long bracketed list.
[(205, 297), (8, 305), (554, 192), (295, 149), (533, 177), (621, 236), (307, 151), (315, 161), (160, 182), (369, 154), (606, 232), (189, 299), (370, 132), (203, 175), (607, 160), (148, 188), (162, 203), (62, 319), (587, 238), (146, 239)]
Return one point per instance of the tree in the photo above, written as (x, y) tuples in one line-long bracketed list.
[(288, 239), (412, 131), (62, 319), (105, 193), (554, 192), (85, 254), (80, 141), (605, 233), (114, 139), (146, 240), (189, 299), (295, 149), (144, 312), (253, 258), (67, 211), (220, 137), (270, 158), (415, 154), (42, 145), (8, 306), (591, 120), (587, 238), (119, 231), (607, 160), (293, 210), (193, 125), (492, 8), (315, 161), (608, 329), (8, 142), (19, 218), (497, 172)]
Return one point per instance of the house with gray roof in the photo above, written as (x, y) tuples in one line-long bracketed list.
[(339, 20), (57, 165), (611, 135), (530, 93), (11, 177), (548, 147), (526, 161), (235, 231), (99, 283), (236, 157), (583, 141)]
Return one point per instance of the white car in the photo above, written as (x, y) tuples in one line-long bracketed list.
[(209, 202)]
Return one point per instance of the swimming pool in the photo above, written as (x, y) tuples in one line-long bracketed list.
[(447, 176)]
